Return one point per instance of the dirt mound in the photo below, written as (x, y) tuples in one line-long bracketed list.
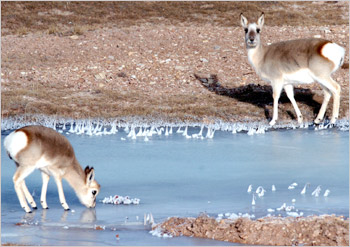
[(312, 230)]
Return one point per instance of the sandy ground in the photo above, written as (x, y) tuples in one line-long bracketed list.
[(310, 231), (155, 70)]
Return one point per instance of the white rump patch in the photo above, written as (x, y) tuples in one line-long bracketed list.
[(334, 52), (15, 142)]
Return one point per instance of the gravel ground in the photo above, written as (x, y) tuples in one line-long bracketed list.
[(155, 71), (148, 71)]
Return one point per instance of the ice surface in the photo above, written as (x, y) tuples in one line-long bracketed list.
[(177, 176)]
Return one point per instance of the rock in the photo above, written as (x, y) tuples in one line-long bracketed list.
[(100, 76), (207, 6), (74, 37), (179, 68), (122, 74), (81, 80)]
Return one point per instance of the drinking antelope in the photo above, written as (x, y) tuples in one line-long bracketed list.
[(290, 62), (38, 147)]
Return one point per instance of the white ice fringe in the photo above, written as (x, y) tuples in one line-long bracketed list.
[(111, 126), (158, 232), (126, 200)]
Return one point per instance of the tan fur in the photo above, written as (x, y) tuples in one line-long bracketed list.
[(284, 64), (53, 155)]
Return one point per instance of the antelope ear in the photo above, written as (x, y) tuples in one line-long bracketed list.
[(244, 21), (261, 20), (86, 170), (90, 175)]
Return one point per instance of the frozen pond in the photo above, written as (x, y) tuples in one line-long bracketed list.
[(176, 176)]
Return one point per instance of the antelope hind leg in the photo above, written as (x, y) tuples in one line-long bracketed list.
[(28, 195), (21, 173)]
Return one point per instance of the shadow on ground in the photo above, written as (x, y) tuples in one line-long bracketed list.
[(258, 95)]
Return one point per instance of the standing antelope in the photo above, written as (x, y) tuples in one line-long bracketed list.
[(287, 63), (38, 147)]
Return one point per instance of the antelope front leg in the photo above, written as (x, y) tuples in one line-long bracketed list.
[(276, 93), (45, 177), (290, 94), (61, 194)]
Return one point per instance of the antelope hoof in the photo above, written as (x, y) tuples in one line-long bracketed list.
[(35, 208), (333, 120), (44, 205), (66, 209), (317, 121), (272, 122), (300, 119), (27, 210), (65, 206)]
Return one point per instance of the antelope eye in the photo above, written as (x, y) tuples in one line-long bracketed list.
[(258, 30), (94, 192), (246, 30)]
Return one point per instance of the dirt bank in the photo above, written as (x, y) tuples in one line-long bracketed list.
[(312, 230)]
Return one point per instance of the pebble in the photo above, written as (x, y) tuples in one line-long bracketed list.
[(179, 68), (100, 76), (74, 37)]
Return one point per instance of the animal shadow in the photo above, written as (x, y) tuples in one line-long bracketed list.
[(258, 95)]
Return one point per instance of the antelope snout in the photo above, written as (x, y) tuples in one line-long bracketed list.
[(93, 204), (251, 42)]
